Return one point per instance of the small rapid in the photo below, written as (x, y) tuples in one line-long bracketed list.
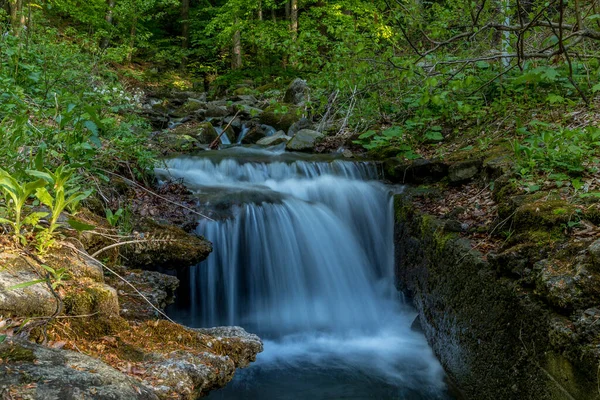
[(310, 270)]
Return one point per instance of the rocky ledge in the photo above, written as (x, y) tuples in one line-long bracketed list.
[(506, 289)]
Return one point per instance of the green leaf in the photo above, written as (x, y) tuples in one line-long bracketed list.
[(44, 197), (42, 175), (434, 136), (2, 338), (91, 126), (367, 134), (34, 218), (596, 87), (80, 226), (25, 284)]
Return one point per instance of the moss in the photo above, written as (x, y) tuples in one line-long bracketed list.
[(566, 378), (243, 91), (91, 298), (281, 116), (14, 352), (549, 214)]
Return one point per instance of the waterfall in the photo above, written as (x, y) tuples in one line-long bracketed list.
[(311, 271)]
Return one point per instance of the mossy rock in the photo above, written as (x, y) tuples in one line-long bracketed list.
[(553, 214), (241, 91), (173, 248), (281, 116), (188, 108), (15, 353), (91, 298)]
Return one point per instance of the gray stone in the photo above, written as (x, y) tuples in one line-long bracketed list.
[(303, 123), (304, 140), (61, 374), (214, 109), (594, 251), (297, 92), (276, 139), (463, 171)]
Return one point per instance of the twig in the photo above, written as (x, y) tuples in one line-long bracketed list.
[(112, 246), (215, 143), (157, 195), (83, 253)]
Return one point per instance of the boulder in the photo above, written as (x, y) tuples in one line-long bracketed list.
[(274, 140), (463, 171), (303, 123), (280, 116), (304, 140), (216, 109), (297, 92), (31, 371), (167, 246), (254, 134)]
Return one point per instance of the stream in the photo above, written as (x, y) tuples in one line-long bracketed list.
[(303, 257)]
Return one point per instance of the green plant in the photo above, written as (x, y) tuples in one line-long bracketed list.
[(55, 277), (16, 194), (113, 218), (61, 196)]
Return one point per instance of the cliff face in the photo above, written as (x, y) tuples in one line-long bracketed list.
[(497, 334)]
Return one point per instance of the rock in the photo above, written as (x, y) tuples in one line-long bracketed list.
[(247, 98), (156, 287), (304, 140), (297, 92), (274, 140), (347, 153), (254, 134), (415, 171), (173, 248), (303, 123), (280, 116), (61, 374), (246, 111), (32, 301), (453, 225), (234, 340), (215, 109), (190, 107), (203, 132), (594, 252), (235, 123), (463, 171)]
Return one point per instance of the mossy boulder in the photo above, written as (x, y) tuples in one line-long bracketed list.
[(166, 246), (553, 214), (415, 171), (190, 107), (281, 116)]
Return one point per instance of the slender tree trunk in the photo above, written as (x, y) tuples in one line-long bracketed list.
[(132, 34), (294, 19), (260, 10), (185, 23), (16, 15), (236, 49), (287, 10), (109, 21)]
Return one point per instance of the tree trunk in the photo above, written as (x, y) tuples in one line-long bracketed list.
[(236, 49), (294, 19), (109, 21), (16, 14), (260, 10), (185, 23), (132, 34)]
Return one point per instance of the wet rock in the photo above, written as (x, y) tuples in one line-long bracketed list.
[(246, 111), (303, 123), (235, 123), (297, 92), (248, 98), (254, 134), (280, 116), (304, 140), (167, 246), (274, 140), (215, 109), (463, 171), (241, 345), (59, 374)]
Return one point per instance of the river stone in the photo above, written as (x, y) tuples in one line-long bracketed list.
[(254, 134), (61, 374), (214, 109), (297, 92), (276, 139), (303, 123), (280, 116), (463, 171), (235, 123), (304, 140)]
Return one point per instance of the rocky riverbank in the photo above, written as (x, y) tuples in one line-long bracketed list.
[(507, 290)]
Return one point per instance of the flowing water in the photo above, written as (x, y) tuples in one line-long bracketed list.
[(303, 256)]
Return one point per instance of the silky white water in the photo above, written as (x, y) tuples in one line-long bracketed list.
[(311, 271)]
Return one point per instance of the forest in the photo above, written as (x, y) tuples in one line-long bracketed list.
[(139, 136)]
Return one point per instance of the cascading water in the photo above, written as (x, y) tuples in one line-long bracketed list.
[(308, 267)]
